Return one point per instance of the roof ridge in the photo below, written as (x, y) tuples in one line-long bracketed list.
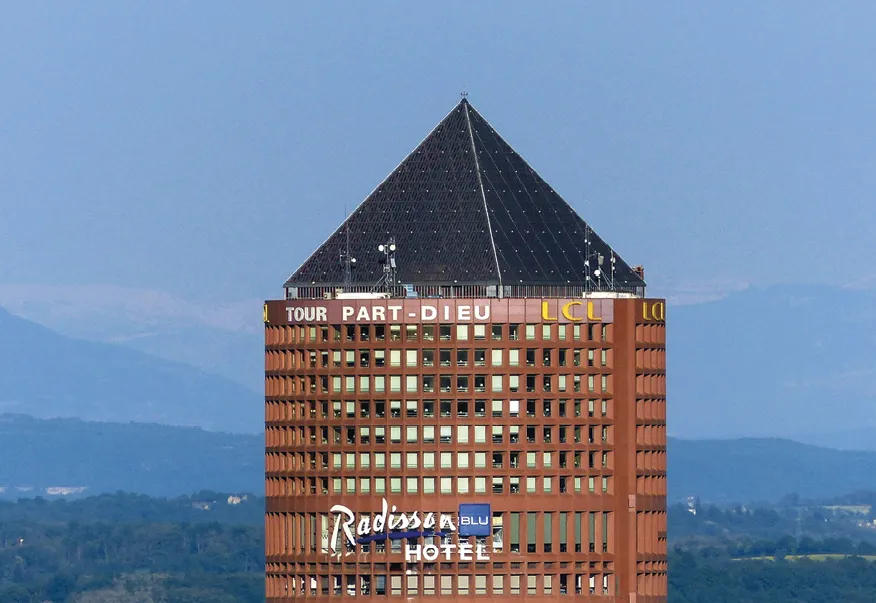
[(474, 150), (379, 184)]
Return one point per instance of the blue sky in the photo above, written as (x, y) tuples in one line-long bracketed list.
[(173, 156)]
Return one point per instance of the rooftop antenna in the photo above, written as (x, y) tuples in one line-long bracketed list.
[(390, 269), (613, 261), (587, 258), (464, 93)]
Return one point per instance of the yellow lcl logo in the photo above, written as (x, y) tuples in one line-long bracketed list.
[(654, 311), (566, 311)]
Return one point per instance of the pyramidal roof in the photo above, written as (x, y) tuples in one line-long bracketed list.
[(465, 208)]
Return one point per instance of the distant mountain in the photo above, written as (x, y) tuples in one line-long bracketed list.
[(170, 461), (789, 361), (105, 457), (747, 470), (863, 438), (48, 375)]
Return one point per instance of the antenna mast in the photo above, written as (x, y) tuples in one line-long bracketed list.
[(390, 269), (587, 257)]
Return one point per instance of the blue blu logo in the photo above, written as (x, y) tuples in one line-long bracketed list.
[(475, 519)]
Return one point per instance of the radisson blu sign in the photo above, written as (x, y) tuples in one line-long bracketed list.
[(392, 524)]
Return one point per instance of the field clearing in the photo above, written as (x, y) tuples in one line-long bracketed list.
[(813, 557)]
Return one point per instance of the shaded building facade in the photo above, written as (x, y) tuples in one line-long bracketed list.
[(465, 395)]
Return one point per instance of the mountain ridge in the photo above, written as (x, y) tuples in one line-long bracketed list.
[(161, 460), (46, 374)]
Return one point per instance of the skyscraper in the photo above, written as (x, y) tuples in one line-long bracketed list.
[(465, 395)]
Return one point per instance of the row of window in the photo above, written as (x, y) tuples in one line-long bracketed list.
[(444, 434), (414, 585), (364, 384), (537, 531), (290, 334), (462, 383), (352, 409), (531, 357), (461, 485), (294, 461)]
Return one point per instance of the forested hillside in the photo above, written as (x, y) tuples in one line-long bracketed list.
[(125, 548)]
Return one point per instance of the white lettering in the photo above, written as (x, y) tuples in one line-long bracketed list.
[(299, 314), (429, 521), (347, 525), (482, 312), (395, 310), (378, 314), (413, 552), (473, 521), (446, 312), (362, 316), (430, 552), (347, 312), (321, 314), (380, 520), (446, 523), (289, 312), (364, 526), (415, 521), (428, 313), (463, 313), (390, 520)]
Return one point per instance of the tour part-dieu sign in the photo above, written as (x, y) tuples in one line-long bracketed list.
[(389, 523), (564, 311)]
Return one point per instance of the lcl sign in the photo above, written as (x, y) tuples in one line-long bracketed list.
[(654, 311)]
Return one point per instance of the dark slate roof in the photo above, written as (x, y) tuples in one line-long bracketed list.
[(465, 208)]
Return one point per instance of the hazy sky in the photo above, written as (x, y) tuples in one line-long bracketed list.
[(200, 151)]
